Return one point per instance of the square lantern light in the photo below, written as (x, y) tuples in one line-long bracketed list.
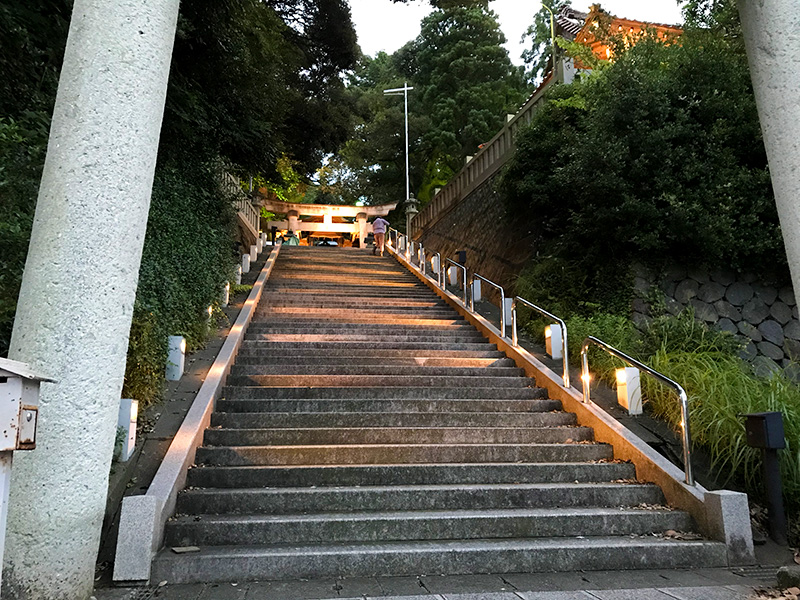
[(554, 341), (629, 390)]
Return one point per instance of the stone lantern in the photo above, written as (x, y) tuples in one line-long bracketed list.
[(411, 211)]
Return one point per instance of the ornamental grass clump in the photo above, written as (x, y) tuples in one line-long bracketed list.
[(722, 388)]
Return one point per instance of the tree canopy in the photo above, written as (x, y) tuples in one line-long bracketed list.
[(252, 82), (656, 157), (464, 84), (538, 58)]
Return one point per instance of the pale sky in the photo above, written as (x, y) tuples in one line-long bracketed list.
[(383, 25)]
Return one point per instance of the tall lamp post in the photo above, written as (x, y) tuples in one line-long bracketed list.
[(552, 37), (403, 91)]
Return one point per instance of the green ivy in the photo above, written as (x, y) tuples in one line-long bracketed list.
[(187, 258)]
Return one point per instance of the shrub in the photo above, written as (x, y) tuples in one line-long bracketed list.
[(720, 386)]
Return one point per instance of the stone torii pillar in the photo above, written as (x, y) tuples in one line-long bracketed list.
[(294, 221), (772, 38), (76, 302), (362, 228)]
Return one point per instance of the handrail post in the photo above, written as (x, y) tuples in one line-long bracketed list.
[(502, 300), (686, 439), (502, 313), (514, 338), (585, 376), (472, 294)]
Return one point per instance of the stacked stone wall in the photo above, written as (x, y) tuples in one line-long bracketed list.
[(763, 315)]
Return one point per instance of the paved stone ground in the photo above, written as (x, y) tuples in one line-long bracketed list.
[(701, 584)]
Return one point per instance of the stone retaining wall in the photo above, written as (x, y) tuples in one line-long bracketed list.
[(496, 246), (764, 315)]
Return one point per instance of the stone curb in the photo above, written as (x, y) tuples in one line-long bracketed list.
[(142, 518)]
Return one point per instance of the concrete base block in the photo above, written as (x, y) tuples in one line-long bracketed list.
[(728, 518), (136, 543)]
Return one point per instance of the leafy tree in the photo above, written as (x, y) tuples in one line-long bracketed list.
[(656, 158), (370, 166), (254, 80), (464, 82)]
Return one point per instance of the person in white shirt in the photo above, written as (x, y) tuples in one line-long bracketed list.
[(379, 231)]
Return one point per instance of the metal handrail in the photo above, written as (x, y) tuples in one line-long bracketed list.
[(549, 315), (684, 399), (463, 277), (502, 301)]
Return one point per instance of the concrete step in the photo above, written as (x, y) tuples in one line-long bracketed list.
[(400, 291), (355, 369), (376, 381), (345, 360), (338, 293), (355, 322), (322, 345), (378, 338), (222, 563), (419, 475), (251, 530), (367, 330), (279, 303), (267, 420), (372, 406), (357, 314), (372, 454), (344, 283), (405, 497), (429, 393), (276, 353), (487, 434)]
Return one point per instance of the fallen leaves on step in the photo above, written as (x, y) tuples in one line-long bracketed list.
[(646, 506), (792, 593), (686, 536)]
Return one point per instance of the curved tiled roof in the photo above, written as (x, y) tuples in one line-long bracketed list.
[(570, 20)]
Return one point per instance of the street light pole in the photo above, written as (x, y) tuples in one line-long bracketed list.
[(397, 92), (552, 35)]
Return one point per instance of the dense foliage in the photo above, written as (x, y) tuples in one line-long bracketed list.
[(37, 31), (538, 58), (251, 83), (720, 387), (656, 157)]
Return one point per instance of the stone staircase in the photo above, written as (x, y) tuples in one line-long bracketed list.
[(368, 430)]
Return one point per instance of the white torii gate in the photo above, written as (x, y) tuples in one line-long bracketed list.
[(294, 211)]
